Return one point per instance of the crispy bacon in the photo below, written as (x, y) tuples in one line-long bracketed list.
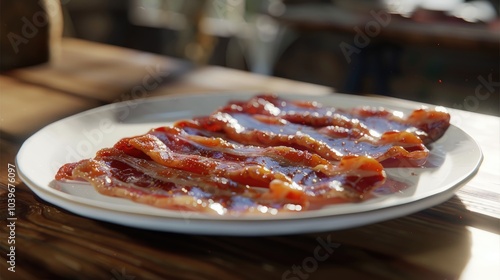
[(428, 125), (264, 155), (330, 142), (171, 169)]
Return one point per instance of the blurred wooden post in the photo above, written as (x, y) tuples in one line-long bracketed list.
[(30, 32)]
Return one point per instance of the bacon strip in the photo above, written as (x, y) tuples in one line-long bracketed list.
[(428, 125), (330, 142), (146, 170)]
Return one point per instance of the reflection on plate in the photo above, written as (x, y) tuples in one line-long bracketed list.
[(455, 157)]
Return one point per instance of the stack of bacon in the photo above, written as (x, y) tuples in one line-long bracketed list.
[(263, 155)]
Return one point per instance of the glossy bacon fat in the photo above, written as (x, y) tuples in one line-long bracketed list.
[(265, 155)]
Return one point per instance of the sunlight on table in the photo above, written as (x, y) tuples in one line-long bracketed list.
[(485, 255)]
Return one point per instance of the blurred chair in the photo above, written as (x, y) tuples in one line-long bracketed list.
[(246, 25)]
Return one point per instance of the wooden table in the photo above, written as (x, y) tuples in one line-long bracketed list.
[(456, 239)]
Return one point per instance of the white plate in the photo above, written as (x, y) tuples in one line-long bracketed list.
[(81, 135)]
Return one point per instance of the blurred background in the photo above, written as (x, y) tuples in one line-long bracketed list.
[(443, 52)]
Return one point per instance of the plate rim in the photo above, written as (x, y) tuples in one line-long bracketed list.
[(247, 219)]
